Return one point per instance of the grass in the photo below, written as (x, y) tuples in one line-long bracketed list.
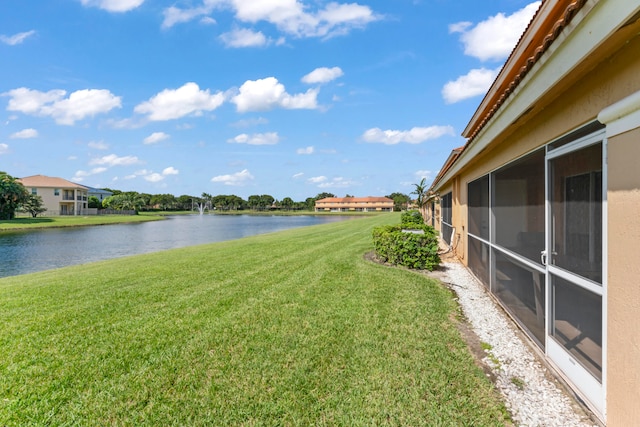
[(284, 329), (71, 221)]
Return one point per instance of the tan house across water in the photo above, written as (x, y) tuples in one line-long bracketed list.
[(354, 204), (59, 196), (542, 203)]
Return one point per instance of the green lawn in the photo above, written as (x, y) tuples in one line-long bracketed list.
[(72, 221), (293, 328)]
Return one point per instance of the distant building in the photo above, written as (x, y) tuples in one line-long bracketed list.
[(59, 196), (99, 193), (354, 204)]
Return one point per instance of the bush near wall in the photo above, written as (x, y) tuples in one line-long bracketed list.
[(407, 248)]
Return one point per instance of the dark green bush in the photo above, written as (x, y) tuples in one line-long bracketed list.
[(410, 218), (412, 250)]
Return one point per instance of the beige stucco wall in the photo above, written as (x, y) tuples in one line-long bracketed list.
[(623, 292), (616, 76)]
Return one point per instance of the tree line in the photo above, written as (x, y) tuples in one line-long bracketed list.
[(15, 197)]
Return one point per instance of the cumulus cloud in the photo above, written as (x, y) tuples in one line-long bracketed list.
[(98, 145), (114, 160), (81, 175), (322, 75), (113, 5), (155, 137), (24, 134), (305, 150), (170, 171), (494, 38), (176, 103), (269, 138), (66, 111), (174, 15), (16, 38), (291, 17), (318, 179), (475, 82), (236, 179), (415, 135), (4, 148), (267, 94), (244, 37), (153, 177)]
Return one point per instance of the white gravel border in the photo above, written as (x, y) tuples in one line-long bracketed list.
[(532, 398)]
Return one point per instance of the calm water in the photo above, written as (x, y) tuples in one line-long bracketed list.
[(29, 251)]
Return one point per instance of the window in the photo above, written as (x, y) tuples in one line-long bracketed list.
[(518, 206), (447, 227), (478, 192), (34, 191), (56, 191)]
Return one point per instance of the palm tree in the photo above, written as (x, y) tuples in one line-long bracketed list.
[(422, 197)]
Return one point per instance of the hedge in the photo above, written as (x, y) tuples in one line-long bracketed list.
[(408, 248)]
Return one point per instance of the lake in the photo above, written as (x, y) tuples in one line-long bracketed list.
[(24, 251)]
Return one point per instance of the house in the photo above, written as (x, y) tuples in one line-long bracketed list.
[(354, 204), (99, 193), (59, 196), (541, 203)]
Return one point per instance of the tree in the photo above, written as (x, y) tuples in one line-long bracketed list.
[(421, 196), (94, 202), (12, 195), (324, 196), (287, 203), (34, 205), (400, 201)]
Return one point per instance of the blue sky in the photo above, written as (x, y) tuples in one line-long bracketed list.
[(290, 98)]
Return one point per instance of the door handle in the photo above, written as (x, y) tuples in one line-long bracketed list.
[(543, 257)]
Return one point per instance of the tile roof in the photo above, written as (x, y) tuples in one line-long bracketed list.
[(49, 182), (354, 199)]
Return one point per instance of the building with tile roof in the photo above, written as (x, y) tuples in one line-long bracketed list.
[(541, 203), (59, 196), (354, 204)]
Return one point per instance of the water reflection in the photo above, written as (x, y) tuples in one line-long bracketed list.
[(29, 251)]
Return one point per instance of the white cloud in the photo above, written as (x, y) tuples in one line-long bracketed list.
[(243, 37), (306, 150), (238, 178), (267, 94), (155, 137), (79, 105), (173, 15), (98, 145), (174, 104), (289, 16), (170, 171), (322, 75), (298, 175), (494, 38), (317, 179), (24, 134), (415, 135), (81, 175), (475, 82), (113, 160), (153, 177), (269, 138), (113, 5), (16, 38), (4, 148)]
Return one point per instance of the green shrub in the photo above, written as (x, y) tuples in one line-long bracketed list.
[(411, 218), (412, 250)]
